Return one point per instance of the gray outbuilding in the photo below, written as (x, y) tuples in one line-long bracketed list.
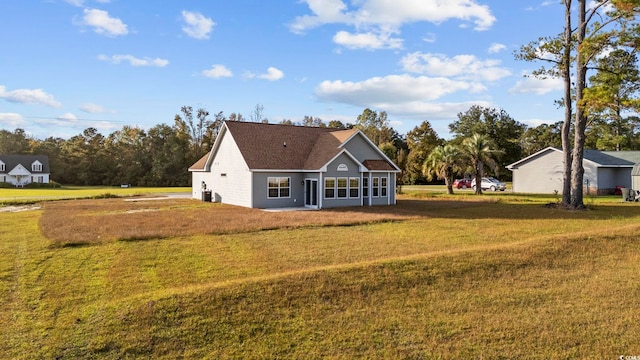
[(604, 171)]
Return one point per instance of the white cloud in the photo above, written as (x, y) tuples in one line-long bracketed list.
[(272, 74), (393, 89), (429, 38), (496, 48), (197, 25), (68, 118), (385, 14), (93, 108), (11, 120), (217, 71), (368, 40), (459, 66), (134, 61), (104, 24), (29, 96), (532, 85)]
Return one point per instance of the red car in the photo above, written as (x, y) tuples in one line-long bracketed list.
[(462, 183)]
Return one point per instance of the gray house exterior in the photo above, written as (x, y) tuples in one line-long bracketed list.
[(21, 170), (542, 172), (260, 165)]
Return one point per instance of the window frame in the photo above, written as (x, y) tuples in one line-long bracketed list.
[(353, 188), (342, 191), (279, 188), (375, 187), (332, 188), (383, 186), (365, 187)]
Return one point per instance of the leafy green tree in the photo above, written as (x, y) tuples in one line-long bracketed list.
[(87, 161), (129, 157), (498, 126), (420, 142), (196, 128), (16, 142), (169, 157), (542, 136), (480, 151), (375, 126), (311, 121), (337, 124), (613, 91), (443, 162)]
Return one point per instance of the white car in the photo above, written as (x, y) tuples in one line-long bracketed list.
[(489, 183)]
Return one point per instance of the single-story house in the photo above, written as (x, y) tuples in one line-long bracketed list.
[(20, 170), (261, 165), (543, 171)]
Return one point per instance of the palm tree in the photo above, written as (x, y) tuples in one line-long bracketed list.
[(442, 162), (480, 151)]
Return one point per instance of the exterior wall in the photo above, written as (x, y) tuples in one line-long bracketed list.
[(260, 190), (361, 149), (540, 175), (229, 178), (25, 179), (197, 178), (336, 169), (609, 178), (380, 199), (635, 182)]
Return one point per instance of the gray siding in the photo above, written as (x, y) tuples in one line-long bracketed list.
[(609, 178), (541, 175), (260, 190), (361, 149)]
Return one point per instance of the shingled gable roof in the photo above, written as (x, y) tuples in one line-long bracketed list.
[(201, 164), (285, 147), (600, 158), (11, 161)]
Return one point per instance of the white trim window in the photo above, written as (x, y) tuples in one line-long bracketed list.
[(365, 186), (329, 188), (2, 166), (354, 187), (278, 187), (375, 188), (383, 186), (36, 166), (343, 187)]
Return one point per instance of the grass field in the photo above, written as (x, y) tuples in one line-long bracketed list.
[(10, 196), (497, 276)]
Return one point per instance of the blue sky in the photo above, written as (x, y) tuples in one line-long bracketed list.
[(73, 64)]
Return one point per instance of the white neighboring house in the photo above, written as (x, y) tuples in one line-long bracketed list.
[(20, 170), (276, 166), (543, 171)]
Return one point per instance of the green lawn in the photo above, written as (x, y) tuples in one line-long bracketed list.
[(503, 277)]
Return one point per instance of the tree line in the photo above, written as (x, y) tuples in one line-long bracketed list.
[(161, 155)]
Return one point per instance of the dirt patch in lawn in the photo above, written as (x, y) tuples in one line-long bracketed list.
[(96, 221), (18, 208)]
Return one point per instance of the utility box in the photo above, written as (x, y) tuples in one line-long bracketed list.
[(206, 195)]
